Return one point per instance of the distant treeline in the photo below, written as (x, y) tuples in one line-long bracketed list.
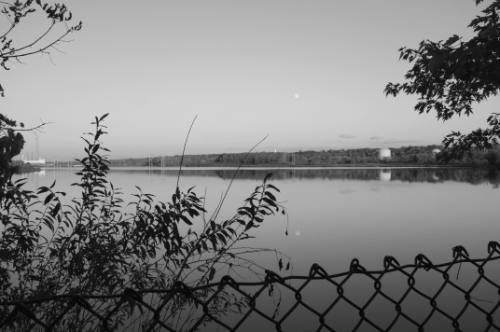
[(409, 155), (415, 155), (21, 167)]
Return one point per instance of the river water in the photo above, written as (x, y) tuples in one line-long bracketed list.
[(337, 214)]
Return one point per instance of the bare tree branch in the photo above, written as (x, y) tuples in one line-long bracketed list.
[(41, 50), (35, 128), (37, 39), (12, 25)]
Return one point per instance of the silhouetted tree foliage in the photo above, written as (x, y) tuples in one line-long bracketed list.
[(16, 13), (450, 76), (11, 144), (96, 243)]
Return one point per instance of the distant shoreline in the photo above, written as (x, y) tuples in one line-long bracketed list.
[(364, 157), (277, 167), (402, 157), (20, 167)]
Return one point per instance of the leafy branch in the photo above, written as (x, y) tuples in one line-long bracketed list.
[(17, 12), (96, 244), (450, 76)]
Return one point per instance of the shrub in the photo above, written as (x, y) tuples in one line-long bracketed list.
[(93, 245)]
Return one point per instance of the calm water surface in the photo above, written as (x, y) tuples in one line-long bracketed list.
[(335, 215)]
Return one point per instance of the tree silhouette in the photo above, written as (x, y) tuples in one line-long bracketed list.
[(450, 76)]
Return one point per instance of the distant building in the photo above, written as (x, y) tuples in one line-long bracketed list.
[(436, 151), (384, 153), (34, 162), (38, 162)]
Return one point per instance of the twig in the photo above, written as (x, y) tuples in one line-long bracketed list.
[(38, 127), (236, 172), (41, 50), (45, 33), (184, 150), (12, 25)]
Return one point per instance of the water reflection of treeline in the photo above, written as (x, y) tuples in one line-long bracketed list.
[(431, 175)]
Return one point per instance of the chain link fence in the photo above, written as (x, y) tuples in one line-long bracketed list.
[(460, 295)]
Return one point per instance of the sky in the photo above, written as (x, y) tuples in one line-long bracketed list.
[(310, 74)]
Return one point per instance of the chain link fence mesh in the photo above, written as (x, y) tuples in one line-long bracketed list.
[(460, 295)]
